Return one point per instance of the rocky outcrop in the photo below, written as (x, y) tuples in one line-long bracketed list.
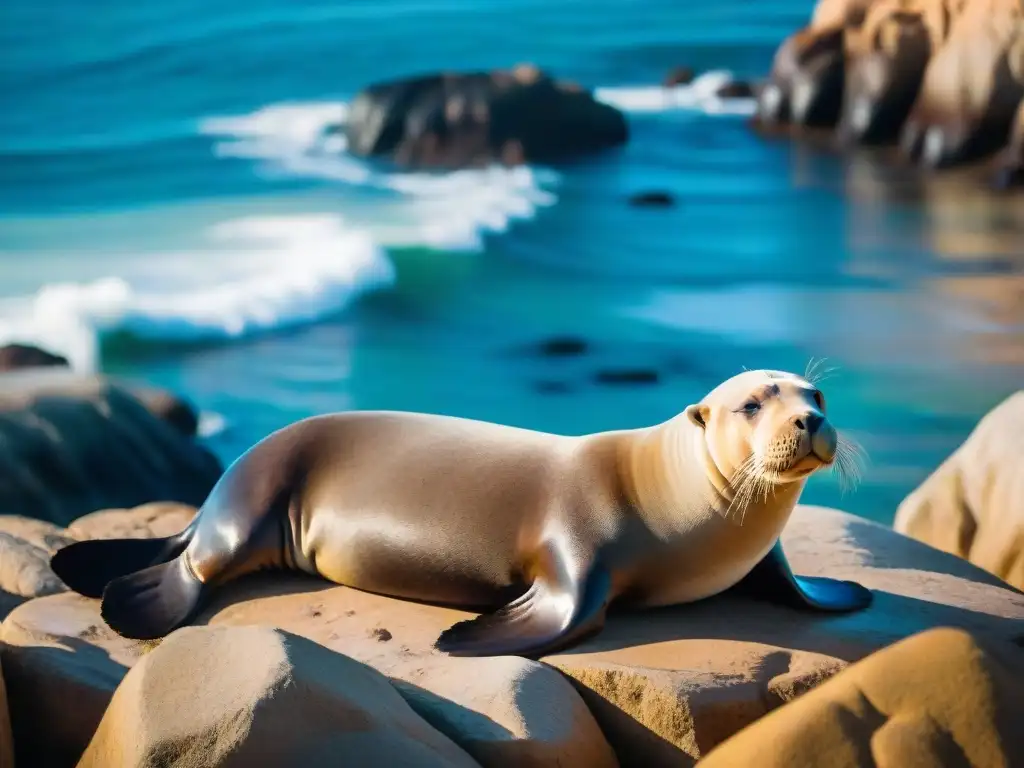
[(943, 79), (660, 688), (73, 444), (939, 699), (41, 369), (454, 120), (260, 696), (972, 505)]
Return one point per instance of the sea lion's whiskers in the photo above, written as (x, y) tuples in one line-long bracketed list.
[(815, 373), (849, 462), (750, 477)]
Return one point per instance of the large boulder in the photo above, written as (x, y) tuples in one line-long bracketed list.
[(664, 687), (249, 696), (942, 79), (26, 545), (16, 357), (73, 444), (939, 699), (972, 505), (453, 120)]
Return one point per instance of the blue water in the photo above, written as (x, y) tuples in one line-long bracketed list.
[(169, 214)]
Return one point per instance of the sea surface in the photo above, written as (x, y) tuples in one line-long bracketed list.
[(170, 213)]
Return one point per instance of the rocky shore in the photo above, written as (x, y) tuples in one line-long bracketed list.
[(284, 669), (940, 81)]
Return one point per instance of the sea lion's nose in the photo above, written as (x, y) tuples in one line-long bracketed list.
[(809, 421)]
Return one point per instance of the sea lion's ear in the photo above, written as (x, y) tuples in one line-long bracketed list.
[(698, 414)]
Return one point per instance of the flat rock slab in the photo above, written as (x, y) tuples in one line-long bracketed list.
[(664, 686)]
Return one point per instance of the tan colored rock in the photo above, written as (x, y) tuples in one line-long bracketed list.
[(936, 700), (972, 86), (944, 78), (666, 686), (146, 521), (502, 711), (972, 505), (25, 549), (691, 676), (249, 696), (73, 444)]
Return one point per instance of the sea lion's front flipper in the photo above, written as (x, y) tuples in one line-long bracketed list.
[(556, 611), (773, 580)]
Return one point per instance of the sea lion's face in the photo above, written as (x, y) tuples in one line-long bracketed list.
[(768, 424)]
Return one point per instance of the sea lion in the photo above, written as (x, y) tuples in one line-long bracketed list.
[(451, 511)]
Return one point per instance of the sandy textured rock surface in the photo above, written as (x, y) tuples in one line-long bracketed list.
[(666, 686), (25, 549), (972, 505), (936, 700), (249, 696), (688, 677), (153, 520), (74, 444)]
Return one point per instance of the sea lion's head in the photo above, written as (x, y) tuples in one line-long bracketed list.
[(765, 428)]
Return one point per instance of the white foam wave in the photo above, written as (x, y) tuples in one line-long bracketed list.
[(699, 95), (255, 274), (211, 424), (437, 210)]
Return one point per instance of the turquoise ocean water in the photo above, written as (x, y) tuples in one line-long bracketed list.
[(169, 213)]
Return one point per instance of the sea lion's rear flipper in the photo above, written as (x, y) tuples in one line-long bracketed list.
[(773, 580), (154, 601), (86, 567), (556, 611)]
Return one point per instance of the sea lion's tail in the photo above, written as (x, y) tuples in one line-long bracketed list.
[(86, 567), (147, 587), (153, 602)]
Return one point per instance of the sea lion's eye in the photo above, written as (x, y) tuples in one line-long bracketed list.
[(751, 407), (819, 399)]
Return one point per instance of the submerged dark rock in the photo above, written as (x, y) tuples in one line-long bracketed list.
[(457, 120), (15, 357), (626, 376), (652, 200), (563, 346)]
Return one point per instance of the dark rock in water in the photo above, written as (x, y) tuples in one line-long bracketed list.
[(678, 76), (737, 89), (563, 346), (552, 387), (73, 444), (652, 200), (454, 120), (626, 376), (14, 357)]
